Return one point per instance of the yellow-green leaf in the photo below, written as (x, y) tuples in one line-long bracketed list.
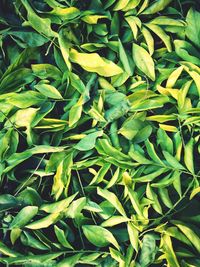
[(143, 61), (94, 63)]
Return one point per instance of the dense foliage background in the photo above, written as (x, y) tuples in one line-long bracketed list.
[(99, 133)]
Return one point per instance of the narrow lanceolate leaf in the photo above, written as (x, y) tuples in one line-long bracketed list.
[(188, 155), (153, 196), (114, 178), (143, 61), (5, 250), (93, 19), (99, 236), (70, 261), (124, 59), (58, 184), (88, 142), (149, 40), (120, 5), (135, 201), (48, 90), (150, 177), (195, 76), (192, 19), (169, 251), (24, 216), (173, 162), (94, 63), (148, 251), (161, 34), (156, 7), (44, 222), (190, 234), (114, 220), (75, 112), (152, 153), (58, 206), (111, 197), (171, 81), (133, 25), (42, 25), (134, 235), (194, 192), (60, 234), (64, 46)]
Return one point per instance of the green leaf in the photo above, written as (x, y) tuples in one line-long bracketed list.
[(7, 251), (192, 19), (75, 112), (26, 99), (143, 61), (44, 222), (33, 259), (99, 176), (93, 19), (152, 196), (14, 235), (173, 162), (124, 59), (70, 261), (48, 90), (190, 234), (28, 38), (188, 155), (41, 25), (156, 7), (88, 142), (99, 236), (133, 25), (150, 177), (149, 40), (17, 158), (24, 216), (64, 44), (165, 142), (169, 252), (120, 5), (114, 220), (135, 201), (148, 250), (161, 34), (133, 235), (131, 127), (60, 234), (114, 178), (65, 13), (44, 71), (164, 195), (30, 241), (111, 197), (76, 207), (8, 201), (58, 206)]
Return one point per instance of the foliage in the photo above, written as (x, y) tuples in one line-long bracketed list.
[(99, 133)]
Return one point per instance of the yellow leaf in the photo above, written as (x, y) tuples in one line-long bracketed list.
[(168, 128), (75, 112), (195, 192), (168, 91), (173, 77), (93, 19), (94, 63)]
